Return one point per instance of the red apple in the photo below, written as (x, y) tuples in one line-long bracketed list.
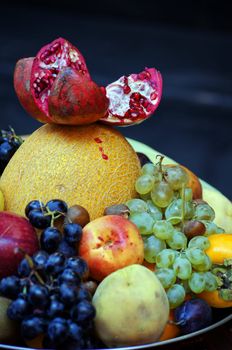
[(110, 243), (15, 232)]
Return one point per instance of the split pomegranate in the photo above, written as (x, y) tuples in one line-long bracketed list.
[(75, 99), (134, 98), (22, 77), (49, 61)]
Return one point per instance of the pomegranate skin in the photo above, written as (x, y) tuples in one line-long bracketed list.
[(75, 99), (49, 61), (22, 77), (133, 98)]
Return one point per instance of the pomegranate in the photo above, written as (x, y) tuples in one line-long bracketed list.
[(49, 61), (75, 99), (22, 77), (134, 98)]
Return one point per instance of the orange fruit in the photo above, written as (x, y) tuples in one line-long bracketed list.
[(171, 330), (93, 166)]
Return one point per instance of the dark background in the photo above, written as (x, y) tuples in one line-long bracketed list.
[(190, 42)]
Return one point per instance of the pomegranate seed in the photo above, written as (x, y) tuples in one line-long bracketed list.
[(55, 47), (145, 103), (134, 113), (44, 55), (126, 89), (136, 96), (153, 96), (149, 107)]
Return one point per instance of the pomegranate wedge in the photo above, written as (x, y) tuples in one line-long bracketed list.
[(133, 99)]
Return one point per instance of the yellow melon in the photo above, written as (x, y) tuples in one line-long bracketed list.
[(93, 166)]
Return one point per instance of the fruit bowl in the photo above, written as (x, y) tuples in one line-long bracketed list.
[(220, 316)]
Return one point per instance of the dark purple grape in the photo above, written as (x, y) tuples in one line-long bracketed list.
[(32, 326), (83, 294), (75, 331), (50, 239), (78, 265), (193, 315), (10, 287), (143, 158), (66, 249), (6, 151), (67, 294), (24, 268), (40, 258), (38, 219), (38, 295), (72, 233), (83, 312), (69, 277), (55, 263), (58, 330), (35, 204), (18, 309), (55, 309), (57, 205)]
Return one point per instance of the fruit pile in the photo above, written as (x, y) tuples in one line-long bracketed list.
[(100, 246)]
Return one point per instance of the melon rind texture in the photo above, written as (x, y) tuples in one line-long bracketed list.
[(68, 162)]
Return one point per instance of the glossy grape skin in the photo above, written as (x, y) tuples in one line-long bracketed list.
[(10, 287), (143, 221), (177, 241), (176, 177), (176, 295), (211, 228), (204, 212), (182, 268), (58, 330), (18, 309), (211, 283), (78, 215), (137, 205), (166, 258), (148, 168), (166, 276), (50, 239), (78, 265), (193, 315), (173, 212), (162, 194), (200, 242), (195, 255), (152, 247), (57, 205), (38, 295), (154, 211), (197, 282), (24, 268), (205, 266), (72, 233), (83, 312), (38, 219), (70, 277), (163, 229), (32, 326), (35, 204), (144, 184)]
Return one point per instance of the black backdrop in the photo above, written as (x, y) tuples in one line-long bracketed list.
[(189, 42)]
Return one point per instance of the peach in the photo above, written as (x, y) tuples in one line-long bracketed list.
[(110, 243)]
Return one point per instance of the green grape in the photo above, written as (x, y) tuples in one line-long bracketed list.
[(182, 268), (195, 255), (204, 212), (188, 194), (154, 211), (152, 247), (143, 221), (166, 258), (200, 242), (211, 228), (162, 194), (137, 205), (177, 241), (211, 283), (144, 184), (176, 177), (166, 276), (145, 197), (197, 282), (148, 168), (163, 229), (176, 295), (205, 266), (173, 212)]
